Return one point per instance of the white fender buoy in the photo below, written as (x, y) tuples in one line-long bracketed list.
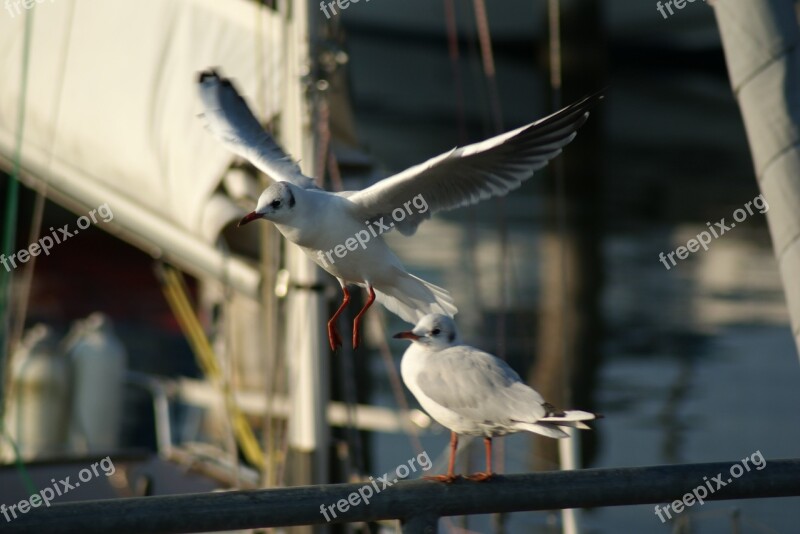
[(98, 360), (38, 409)]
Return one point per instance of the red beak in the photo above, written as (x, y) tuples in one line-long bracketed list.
[(250, 217), (406, 335)]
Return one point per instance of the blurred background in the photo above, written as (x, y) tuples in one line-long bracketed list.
[(562, 278)]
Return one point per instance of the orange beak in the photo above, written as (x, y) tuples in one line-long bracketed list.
[(406, 335), (250, 217)]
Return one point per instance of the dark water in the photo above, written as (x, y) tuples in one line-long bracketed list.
[(698, 364)]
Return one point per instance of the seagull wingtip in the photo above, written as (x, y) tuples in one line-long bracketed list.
[(211, 73)]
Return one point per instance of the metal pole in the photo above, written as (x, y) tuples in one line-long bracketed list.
[(409, 501), (305, 340), (421, 524), (158, 390)]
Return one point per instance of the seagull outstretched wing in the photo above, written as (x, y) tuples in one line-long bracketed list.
[(476, 172), (229, 119)]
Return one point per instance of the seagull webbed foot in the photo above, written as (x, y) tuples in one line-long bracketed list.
[(480, 477), (447, 479)]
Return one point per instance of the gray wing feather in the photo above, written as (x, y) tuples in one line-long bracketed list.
[(475, 172), (479, 386), (230, 120)]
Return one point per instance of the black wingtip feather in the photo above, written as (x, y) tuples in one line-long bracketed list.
[(570, 117), (211, 73)]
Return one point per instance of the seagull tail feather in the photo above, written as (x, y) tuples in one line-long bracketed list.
[(551, 425), (412, 298), (550, 430), (569, 415)]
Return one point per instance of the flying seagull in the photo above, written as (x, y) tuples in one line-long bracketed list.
[(474, 393), (341, 232)]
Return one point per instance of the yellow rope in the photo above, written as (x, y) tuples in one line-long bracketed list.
[(175, 292)]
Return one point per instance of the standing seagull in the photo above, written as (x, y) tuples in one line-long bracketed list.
[(322, 222), (474, 393)]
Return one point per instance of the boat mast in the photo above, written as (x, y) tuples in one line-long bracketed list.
[(306, 350), (760, 39)]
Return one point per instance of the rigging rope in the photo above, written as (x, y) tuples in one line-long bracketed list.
[(12, 200), (569, 451), (490, 73), (175, 291), (41, 194), (454, 53)]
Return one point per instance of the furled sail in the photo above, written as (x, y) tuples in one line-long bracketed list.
[(111, 115)]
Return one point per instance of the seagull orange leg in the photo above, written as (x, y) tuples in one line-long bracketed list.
[(333, 335), (481, 477), (357, 320), (450, 477)]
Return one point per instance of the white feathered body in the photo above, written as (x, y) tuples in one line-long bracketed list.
[(337, 224), (474, 393)]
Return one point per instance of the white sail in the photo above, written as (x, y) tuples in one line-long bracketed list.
[(760, 41), (111, 114)]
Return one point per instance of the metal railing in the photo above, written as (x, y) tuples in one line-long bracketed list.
[(418, 504)]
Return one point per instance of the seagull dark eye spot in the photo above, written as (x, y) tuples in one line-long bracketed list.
[(276, 203), (436, 331)]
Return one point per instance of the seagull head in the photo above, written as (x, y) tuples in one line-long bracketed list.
[(435, 330), (275, 204)]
